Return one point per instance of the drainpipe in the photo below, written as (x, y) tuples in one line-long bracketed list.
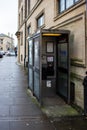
[(86, 34), (25, 48), (86, 8), (25, 34), (86, 19)]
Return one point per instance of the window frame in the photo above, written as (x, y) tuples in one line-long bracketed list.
[(29, 29), (65, 6), (1, 41), (21, 38), (28, 6), (21, 57), (40, 19), (22, 15), (19, 19)]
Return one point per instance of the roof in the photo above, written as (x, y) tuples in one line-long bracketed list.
[(4, 35)]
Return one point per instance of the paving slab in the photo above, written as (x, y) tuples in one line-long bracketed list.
[(30, 125)]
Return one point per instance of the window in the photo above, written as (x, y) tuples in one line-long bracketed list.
[(22, 38), (62, 5), (31, 52), (31, 78), (69, 3), (21, 57), (28, 7), (21, 15), (1, 41), (40, 21), (36, 52), (29, 29), (27, 2), (76, 0), (19, 19), (65, 4)]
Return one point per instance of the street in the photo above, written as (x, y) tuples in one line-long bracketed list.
[(18, 111)]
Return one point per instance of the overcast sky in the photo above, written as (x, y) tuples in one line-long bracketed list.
[(8, 17)]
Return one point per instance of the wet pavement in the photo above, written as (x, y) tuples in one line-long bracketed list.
[(18, 110), (70, 123)]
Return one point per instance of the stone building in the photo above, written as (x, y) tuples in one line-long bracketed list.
[(6, 42), (21, 33), (57, 15)]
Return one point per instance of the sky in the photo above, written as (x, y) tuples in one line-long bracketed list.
[(8, 17)]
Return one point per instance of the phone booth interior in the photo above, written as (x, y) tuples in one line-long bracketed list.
[(48, 64), (55, 64)]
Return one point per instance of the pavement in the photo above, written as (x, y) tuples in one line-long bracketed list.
[(19, 109), (56, 107)]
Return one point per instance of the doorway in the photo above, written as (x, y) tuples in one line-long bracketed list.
[(62, 70)]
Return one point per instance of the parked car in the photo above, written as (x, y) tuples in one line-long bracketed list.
[(10, 53), (1, 54)]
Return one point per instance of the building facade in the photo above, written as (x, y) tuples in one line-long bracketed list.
[(22, 29), (6, 42), (57, 15)]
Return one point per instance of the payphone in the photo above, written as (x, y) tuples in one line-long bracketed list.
[(48, 67)]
